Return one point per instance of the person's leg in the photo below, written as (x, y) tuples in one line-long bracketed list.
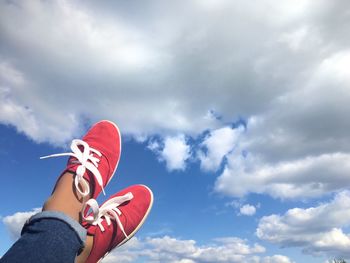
[(54, 235), (65, 198), (82, 257)]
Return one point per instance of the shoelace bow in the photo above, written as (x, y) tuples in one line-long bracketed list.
[(87, 161), (109, 210)]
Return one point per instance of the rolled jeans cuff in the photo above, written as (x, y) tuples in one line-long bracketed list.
[(73, 224)]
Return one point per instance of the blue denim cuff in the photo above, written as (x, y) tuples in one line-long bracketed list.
[(79, 230)]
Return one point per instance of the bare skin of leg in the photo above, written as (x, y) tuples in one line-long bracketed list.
[(66, 199), (86, 252)]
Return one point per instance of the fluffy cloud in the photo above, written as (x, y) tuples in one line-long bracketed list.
[(296, 125), (173, 150), (152, 73), (94, 66), (15, 222), (216, 146), (276, 259), (316, 229), (23, 117), (300, 147), (307, 177), (172, 250), (247, 210), (65, 64), (169, 249), (126, 253)]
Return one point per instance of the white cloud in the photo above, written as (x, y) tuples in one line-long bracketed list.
[(99, 64), (22, 117), (100, 67), (174, 151), (172, 250), (152, 73), (154, 146), (15, 222), (247, 210), (186, 261), (217, 145), (126, 253), (300, 147), (168, 249), (276, 259), (308, 177), (316, 229)]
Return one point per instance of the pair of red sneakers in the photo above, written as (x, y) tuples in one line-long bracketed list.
[(94, 160)]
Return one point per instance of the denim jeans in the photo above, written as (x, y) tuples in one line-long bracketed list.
[(47, 237)]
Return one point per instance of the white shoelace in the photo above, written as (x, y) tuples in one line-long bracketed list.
[(87, 161), (108, 210)]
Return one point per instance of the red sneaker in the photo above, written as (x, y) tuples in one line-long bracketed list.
[(117, 220), (94, 159)]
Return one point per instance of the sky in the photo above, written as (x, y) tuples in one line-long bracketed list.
[(235, 114)]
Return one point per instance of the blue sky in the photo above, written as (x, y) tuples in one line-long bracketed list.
[(233, 113)]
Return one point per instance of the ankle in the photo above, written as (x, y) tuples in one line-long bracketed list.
[(65, 199), (86, 251)]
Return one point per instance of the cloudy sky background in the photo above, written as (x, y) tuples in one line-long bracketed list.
[(243, 104)]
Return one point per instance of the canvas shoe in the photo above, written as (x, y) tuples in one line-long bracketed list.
[(94, 158), (117, 220)]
